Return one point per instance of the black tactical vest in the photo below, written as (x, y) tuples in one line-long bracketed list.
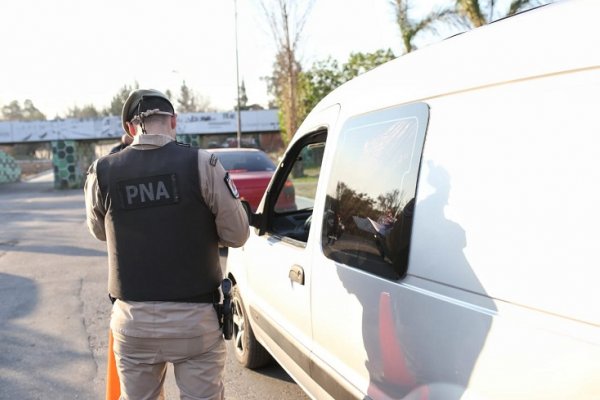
[(161, 236)]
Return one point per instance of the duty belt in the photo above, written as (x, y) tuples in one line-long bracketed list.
[(210, 298)]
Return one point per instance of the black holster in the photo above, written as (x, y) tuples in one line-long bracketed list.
[(225, 311)]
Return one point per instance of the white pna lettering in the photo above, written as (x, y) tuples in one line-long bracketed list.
[(132, 191), (147, 191), (161, 191)]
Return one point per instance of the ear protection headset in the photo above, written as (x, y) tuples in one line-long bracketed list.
[(140, 116), (132, 109)]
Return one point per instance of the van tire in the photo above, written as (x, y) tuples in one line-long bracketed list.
[(248, 351)]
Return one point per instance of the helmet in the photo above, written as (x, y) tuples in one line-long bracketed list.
[(134, 104)]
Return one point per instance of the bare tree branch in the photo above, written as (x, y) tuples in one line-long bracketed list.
[(287, 28)]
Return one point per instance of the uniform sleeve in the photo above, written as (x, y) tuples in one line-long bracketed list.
[(94, 208), (230, 216)]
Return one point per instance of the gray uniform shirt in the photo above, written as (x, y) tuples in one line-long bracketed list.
[(169, 319)]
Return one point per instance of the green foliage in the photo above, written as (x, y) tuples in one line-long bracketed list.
[(14, 112), (469, 13), (474, 13), (359, 63), (326, 75), (87, 111), (189, 101), (186, 100), (31, 113), (118, 100), (410, 28), (286, 87), (322, 78)]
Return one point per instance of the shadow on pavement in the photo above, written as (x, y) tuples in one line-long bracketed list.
[(275, 371), (60, 250), (24, 349)]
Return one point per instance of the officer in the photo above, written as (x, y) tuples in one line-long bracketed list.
[(163, 209), (126, 140)]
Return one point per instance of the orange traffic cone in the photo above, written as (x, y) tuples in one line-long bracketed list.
[(113, 385), (395, 368)]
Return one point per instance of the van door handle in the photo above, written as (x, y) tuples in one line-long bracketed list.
[(296, 274)]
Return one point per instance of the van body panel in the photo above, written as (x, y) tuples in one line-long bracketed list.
[(280, 297), (498, 298), (279, 306), (525, 191)]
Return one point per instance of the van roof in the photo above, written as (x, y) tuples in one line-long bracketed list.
[(553, 39)]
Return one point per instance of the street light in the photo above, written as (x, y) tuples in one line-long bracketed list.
[(237, 73)]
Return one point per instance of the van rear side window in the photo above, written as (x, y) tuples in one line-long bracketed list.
[(371, 194)]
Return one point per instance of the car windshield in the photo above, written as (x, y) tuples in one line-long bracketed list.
[(246, 161)]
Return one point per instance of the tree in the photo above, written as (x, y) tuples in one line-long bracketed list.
[(320, 80), (186, 99), (287, 23), (473, 12), (14, 112), (88, 111), (324, 76), (410, 28), (469, 13), (169, 94), (31, 113), (243, 98), (119, 99), (359, 63), (189, 101)]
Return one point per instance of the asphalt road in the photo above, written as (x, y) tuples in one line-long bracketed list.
[(54, 311)]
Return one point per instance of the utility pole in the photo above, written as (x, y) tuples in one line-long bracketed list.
[(237, 73)]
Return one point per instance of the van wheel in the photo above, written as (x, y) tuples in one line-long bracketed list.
[(248, 351)]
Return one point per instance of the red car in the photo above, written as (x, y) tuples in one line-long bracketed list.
[(251, 170)]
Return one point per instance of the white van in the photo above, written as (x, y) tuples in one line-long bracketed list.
[(446, 239)]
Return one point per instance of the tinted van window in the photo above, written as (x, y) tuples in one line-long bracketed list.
[(371, 194)]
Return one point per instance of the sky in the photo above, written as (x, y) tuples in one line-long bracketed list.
[(66, 53)]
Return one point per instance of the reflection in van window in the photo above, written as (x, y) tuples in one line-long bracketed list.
[(369, 212)]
